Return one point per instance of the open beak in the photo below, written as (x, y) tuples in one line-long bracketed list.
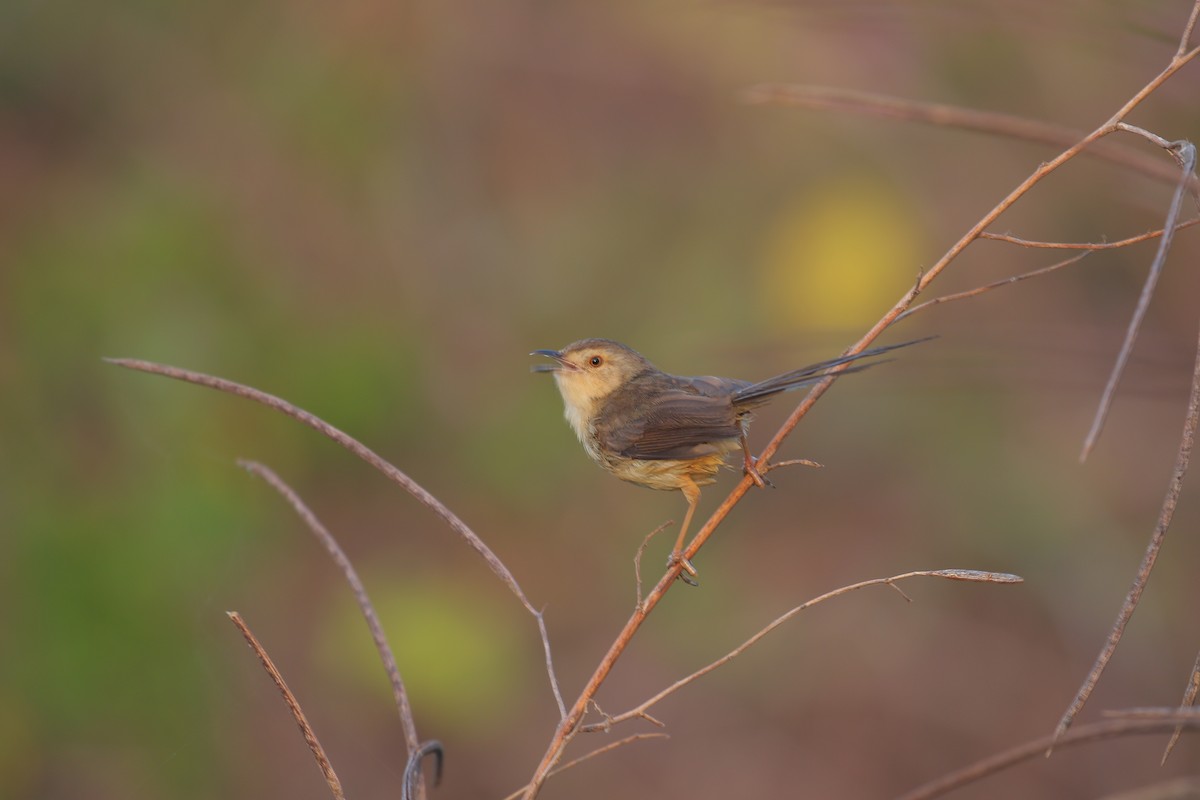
[(561, 363)]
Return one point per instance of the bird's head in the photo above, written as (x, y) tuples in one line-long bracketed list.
[(589, 370)]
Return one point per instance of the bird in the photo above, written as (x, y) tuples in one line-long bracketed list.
[(664, 431)]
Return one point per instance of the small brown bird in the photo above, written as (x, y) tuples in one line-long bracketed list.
[(666, 431)]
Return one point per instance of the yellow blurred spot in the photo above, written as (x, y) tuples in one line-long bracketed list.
[(839, 257), (461, 653)]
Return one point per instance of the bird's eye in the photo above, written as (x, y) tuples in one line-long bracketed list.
[(596, 361)]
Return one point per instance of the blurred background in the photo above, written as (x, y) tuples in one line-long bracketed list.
[(377, 209)]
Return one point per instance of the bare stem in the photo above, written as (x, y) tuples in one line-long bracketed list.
[(830, 98), (1189, 700), (1097, 731), (1186, 38), (639, 712), (1186, 154), (293, 705), (1143, 237), (948, 298), (608, 748), (637, 557), (360, 595), (414, 785), (1165, 515)]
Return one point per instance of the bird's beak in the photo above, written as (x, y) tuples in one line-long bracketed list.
[(562, 363)]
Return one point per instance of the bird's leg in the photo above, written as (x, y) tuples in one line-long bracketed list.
[(749, 464), (692, 492)]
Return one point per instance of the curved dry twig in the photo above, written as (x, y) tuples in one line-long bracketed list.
[(412, 770), (1172, 789), (1186, 37), (1185, 153), (1189, 700), (356, 586), (293, 705), (1165, 515), (942, 115), (375, 460), (1153, 712), (639, 712), (949, 298), (608, 748), (637, 557), (1118, 244), (1096, 731)]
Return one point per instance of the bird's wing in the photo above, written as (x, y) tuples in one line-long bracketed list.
[(675, 423)]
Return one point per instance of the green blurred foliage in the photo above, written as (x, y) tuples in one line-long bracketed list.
[(469, 671), (375, 210)]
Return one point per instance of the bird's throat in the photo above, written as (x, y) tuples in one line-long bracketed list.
[(578, 407)]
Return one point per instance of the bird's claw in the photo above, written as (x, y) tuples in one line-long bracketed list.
[(751, 468), (688, 572)]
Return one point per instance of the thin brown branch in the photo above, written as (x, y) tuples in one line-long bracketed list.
[(1142, 237), (568, 726), (829, 98), (791, 462), (414, 785), (1186, 38), (293, 705), (950, 574), (375, 460), (1186, 154), (948, 298), (637, 557), (1151, 712), (1175, 789), (356, 586), (1096, 731), (608, 748), (1165, 515), (1149, 136), (1189, 701)]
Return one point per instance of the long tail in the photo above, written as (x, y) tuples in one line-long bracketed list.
[(806, 376)]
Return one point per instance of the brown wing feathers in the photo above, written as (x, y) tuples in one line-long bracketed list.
[(661, 416)]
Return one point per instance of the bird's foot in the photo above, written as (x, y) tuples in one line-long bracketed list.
[(750, 467), (688, 572)]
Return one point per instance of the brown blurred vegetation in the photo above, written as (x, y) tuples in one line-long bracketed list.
[(376, 209)]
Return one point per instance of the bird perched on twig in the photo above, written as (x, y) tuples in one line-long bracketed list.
[(667, 431)]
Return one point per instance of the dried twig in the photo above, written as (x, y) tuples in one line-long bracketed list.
[(830, 98), (1186, 37), (1142, 237), (378, 462), (637, 557), (1189, 700), (1185, 153), (360, 595), (293, 705), (412, 787), (1175, 789), (1096, 731), (951, 574), (1037, 273), (1166, 513), (1152, 712), (791, 462), (608, 748)]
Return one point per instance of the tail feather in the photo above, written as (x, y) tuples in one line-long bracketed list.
[(806, 376)]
